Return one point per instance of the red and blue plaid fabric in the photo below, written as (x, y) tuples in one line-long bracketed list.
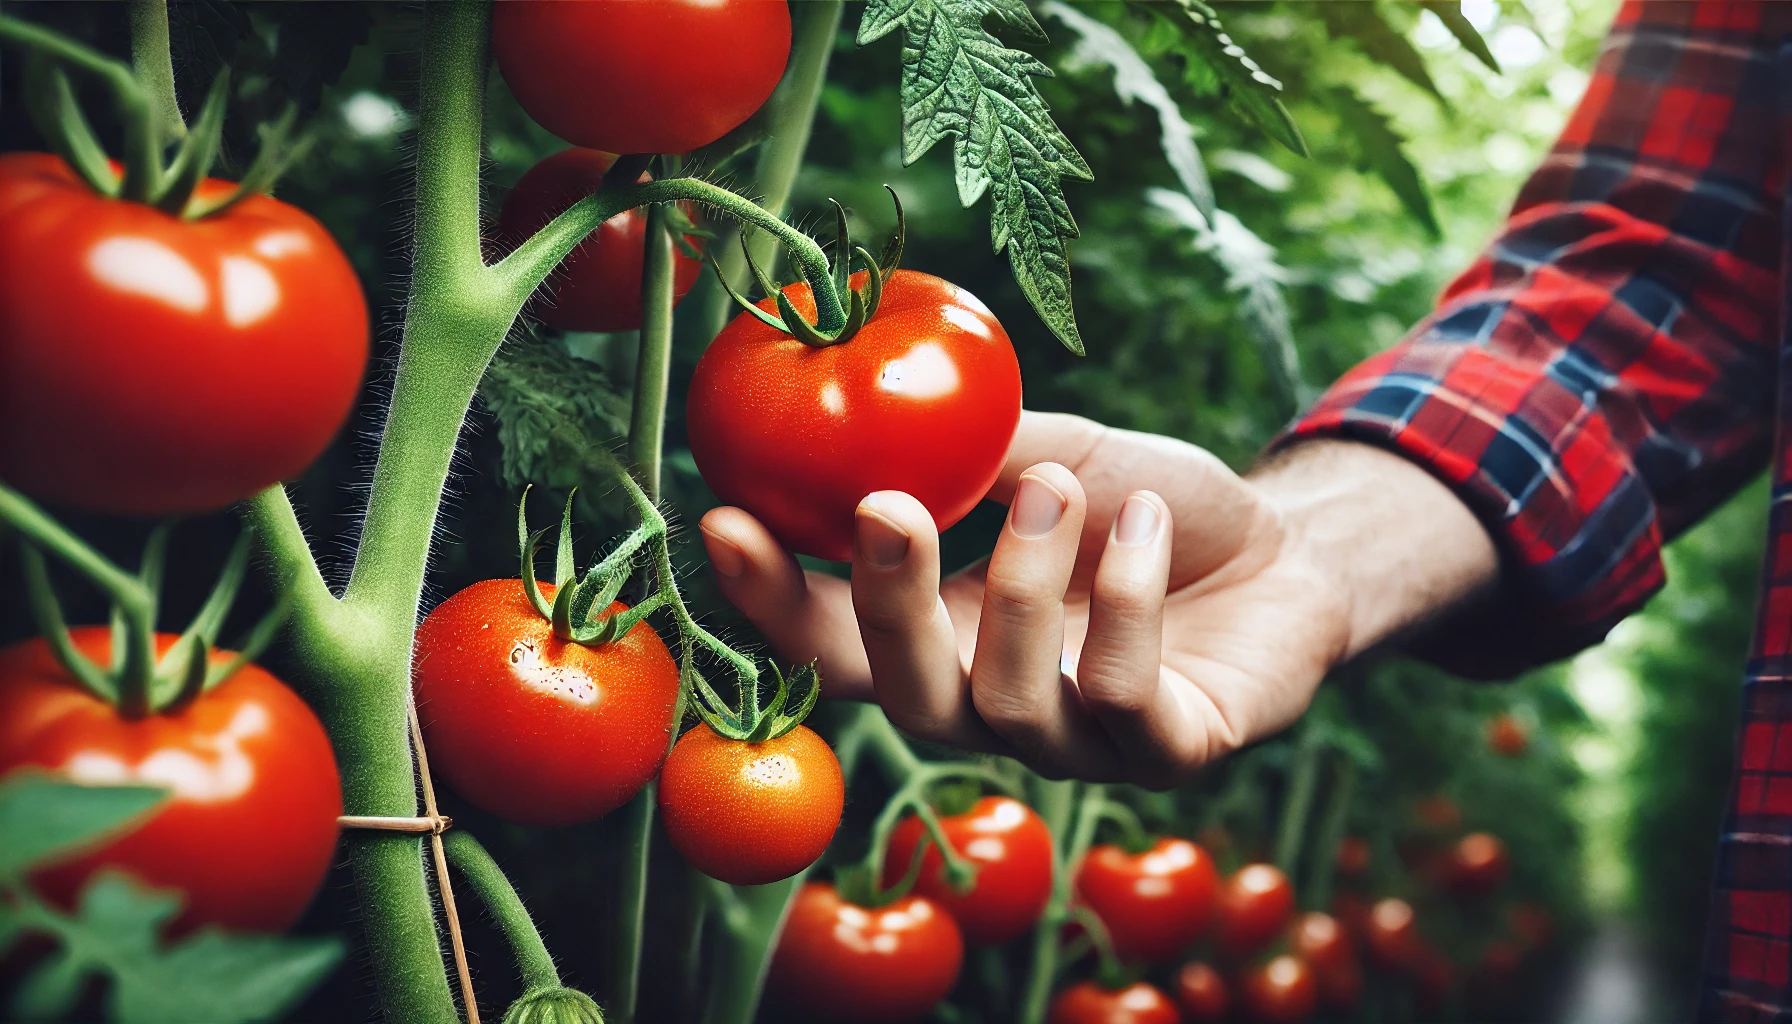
[(1607, 372)]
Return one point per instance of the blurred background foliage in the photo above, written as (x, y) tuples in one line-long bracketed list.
[(1417, 146)]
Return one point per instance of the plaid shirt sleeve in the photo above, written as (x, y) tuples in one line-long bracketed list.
[(1602, 376)]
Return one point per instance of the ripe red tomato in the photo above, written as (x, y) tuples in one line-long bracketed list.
[(1012, 849), (153, 365), (250, 826), (1088, 1003), (1153, 903), (1391, 933), (924, 399), (627, 76), (533, 728), (1478, 864), (1254, 906), (837, 961), (1319, 940), (751, 813), (1507, 737), (1283, 990), (1201, 991), (1353, 856), (598, 285)]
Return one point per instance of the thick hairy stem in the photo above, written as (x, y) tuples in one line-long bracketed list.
[(782, 155), (154, 66), (501, 901), (288, 553), (653, 367)]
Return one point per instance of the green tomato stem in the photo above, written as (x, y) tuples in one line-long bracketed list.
[(1132, 831), (494, 890), (1317, 893), (1072, 822), (1303, 781), (781, 156), (653, 364), (153, 64)]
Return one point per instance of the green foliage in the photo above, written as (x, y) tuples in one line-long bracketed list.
[(1450, 13), (960, 82), (534, 387), (1365, 24), (114, 931), (1215, 63), (1380, 149)]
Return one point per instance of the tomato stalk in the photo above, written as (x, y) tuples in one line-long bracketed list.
[(153, 64), (1317, 893), (142, 164), (1297, 806), (1073, 821), (471, 860)]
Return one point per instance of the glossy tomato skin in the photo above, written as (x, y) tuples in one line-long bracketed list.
[(1153, 903), (924, 399), (1478, 864), (627, 76), (533, 728), (1202, 993), (1282, 990), (840, 962), (1391, 935), (598, 285), (751, 813), (152, 365), (1089, 1003), (249, 829), (1255, 904), (1012, 850)]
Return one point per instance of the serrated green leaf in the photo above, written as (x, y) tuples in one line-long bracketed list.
[(222, 978), (960, 82), (1214, 56), (1380, 149), (42, 816), (1450, 13), (534, 387), (1363, 23)]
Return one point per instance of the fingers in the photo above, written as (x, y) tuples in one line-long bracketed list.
[(1118, 673), (806, 616), (1017, 685), (908, 638)]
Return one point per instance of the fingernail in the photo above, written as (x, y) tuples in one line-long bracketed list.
[(725, 557), (882, 544), (1037, 508), (1137, 522)]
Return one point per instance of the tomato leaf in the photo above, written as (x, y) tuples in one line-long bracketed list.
[(1249, 90), (42, 816), (1365, 25), (535, 387), (1450, 13), (1381, 149), (960, 82)]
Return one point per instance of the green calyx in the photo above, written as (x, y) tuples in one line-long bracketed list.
[(136, 680), (579, 611), (150, 176), (861, 304), (558, 1005), (754, 723)]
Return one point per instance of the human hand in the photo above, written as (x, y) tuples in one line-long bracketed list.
[(1145, 610)]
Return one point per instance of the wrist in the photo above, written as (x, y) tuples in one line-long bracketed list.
[(1391, 545)]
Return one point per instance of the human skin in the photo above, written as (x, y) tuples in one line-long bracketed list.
[(1196, 610)]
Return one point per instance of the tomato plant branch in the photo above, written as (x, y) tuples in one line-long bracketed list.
[(467, 856), (1317, 893), (1297, 807), (142, 164), (1073, 821), (653, 364), (153, 63), (294, 569)]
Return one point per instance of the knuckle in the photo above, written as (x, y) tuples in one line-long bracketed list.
[(1010, 597), (1022, 719), (1107, 687)]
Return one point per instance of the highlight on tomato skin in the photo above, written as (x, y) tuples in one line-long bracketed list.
[(1088, 1002), (751, 813), (924, 399), (597, 287), (837, 961), (154, 365), (249, 829), (532, 728), (1281, 990), (1255, 904), (1011, 847)]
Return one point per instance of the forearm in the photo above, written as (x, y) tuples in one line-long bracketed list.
[(1401, 547)]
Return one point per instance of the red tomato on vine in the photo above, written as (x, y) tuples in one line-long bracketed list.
[(1089, 1003), (641, 76), (1282, 990), (1478, 864), (1254, 906), (1391, 934), (249, 827), (533, 728), (152, 365), (1201, 991), (925, 398), (752, 813), (1153, 903), (837, 961), (1012, 850), (598, 285)]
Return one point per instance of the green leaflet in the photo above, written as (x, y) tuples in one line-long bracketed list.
[(959, 81), (1250, 92), (1450, 13), (534, 386), (1364, 23), (1382, 150), (43, 816)]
